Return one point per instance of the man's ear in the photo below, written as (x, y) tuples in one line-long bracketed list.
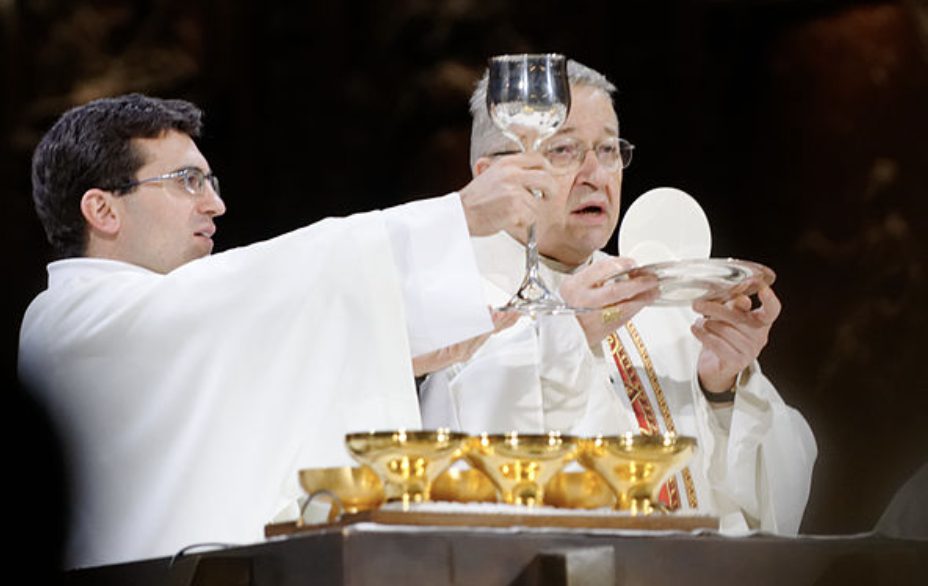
[(482, 164), (99, 213)]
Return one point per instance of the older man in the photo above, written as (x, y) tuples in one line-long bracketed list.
[(190, 388), (628, 367)]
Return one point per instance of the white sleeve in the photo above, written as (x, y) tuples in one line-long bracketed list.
[(497, 390), (575, 391), (763, 462), (435, 402), (440, 281), (522, 381)]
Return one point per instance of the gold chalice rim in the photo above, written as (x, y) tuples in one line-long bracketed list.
[(525, 437), (353, 477), (410, 435), (524, 446), (641, 440)]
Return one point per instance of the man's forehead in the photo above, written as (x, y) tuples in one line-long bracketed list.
[(610, 129), (171, 148), (597, 104), (165, 139)]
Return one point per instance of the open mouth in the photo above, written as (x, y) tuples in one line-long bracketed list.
[(590, 210)]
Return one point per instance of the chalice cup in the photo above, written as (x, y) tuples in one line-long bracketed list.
[(635, 466), (528, 99), (467, 485), (520, 465), (406, 461), (581, 489), (352, 489)]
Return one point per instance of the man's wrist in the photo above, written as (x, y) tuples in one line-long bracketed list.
[(720, 397), (726, 396)]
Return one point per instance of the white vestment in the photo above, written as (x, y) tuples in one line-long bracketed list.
[(754, 463), (189, 401)]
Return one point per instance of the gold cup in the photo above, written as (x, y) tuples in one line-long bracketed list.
[(520, 465), (463, 486), (353, 489), (406, 461), (583, 489), (635, 466)]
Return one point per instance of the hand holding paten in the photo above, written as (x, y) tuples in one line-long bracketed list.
[(618, 301), (732, 336)]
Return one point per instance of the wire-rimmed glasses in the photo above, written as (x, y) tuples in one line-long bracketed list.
[(193, 179), (566, 154)]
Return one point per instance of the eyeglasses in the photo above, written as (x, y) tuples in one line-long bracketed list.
[(568, 153), (193, 179)]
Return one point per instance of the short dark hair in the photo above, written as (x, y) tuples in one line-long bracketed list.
[(91, 146)]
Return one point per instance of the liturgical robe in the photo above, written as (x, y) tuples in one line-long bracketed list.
[(754, 463), (188, 401)]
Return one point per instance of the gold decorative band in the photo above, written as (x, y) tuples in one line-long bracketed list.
[(662, 404)]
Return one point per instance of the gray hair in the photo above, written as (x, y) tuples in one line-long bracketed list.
[(486, 138)]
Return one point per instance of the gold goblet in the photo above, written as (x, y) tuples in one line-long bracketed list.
[(635, 466), (582, 489), (353, 489), (464, 486), (406, 461), (520, 465)]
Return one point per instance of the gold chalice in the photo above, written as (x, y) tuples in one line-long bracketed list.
[(353, 489), (520, 465), (581, 489), (406, 461), (467, 485), (635, 466)]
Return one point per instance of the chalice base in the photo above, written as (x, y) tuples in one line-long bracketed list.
[(406, 493), (526, 494), (640, 506)]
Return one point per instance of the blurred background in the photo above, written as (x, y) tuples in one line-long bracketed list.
[(800, 125)]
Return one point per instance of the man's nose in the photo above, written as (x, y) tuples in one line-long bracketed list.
[(592, 171), (211, 203)]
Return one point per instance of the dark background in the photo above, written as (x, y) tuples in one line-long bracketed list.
[(800, 125)]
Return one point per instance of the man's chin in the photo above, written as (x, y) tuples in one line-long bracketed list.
[(193, 255), (593, 239)]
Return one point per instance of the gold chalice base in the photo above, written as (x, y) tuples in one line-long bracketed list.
[(463, 486), (583, 489), (353, 489), (635, 466), (406, 461), (520, 465)]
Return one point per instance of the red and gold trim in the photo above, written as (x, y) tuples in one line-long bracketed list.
[(644, 412)]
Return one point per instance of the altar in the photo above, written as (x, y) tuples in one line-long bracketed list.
[(373, 553)]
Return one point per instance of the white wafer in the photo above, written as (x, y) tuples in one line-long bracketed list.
[(665, 224)]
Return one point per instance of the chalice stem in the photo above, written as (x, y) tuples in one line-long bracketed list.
[(531, 258)]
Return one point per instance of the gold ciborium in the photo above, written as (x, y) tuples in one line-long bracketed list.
[(520, 465), (406, 461), (635, 466), (467, 485), (353, 489), (581, 489)]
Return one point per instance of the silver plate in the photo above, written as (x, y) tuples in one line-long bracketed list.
[(719, 279)]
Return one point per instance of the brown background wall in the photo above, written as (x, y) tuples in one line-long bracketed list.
[(800, 125)]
